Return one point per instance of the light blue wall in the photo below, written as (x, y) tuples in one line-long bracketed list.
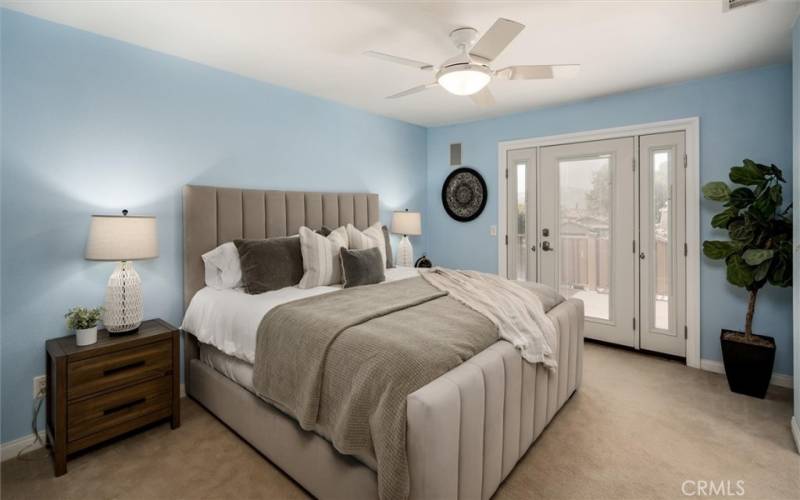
[(93, 125), (742, 115)]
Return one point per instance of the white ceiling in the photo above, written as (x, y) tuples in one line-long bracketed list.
[(316, 47)]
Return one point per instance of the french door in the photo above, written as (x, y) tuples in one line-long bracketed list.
[(603, 221), (662, 239)]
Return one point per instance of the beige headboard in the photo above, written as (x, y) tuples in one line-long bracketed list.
[(212, 216)]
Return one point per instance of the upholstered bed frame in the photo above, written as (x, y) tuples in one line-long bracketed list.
[(465, 430)]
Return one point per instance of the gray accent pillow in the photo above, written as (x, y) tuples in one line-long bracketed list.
[(270, 264), (389, 257), (324, 231), (361, 267), (549, 296)]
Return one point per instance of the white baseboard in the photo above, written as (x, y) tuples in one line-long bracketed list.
[(796, 432), (778, 379), (12, 448)]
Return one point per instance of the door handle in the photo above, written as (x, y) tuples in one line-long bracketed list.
[(533, 248), (641, 255), (546, 246)]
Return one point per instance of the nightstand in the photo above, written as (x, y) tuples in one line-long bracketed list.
[(119, 384)]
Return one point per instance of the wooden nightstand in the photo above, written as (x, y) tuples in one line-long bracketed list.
[(119, 384)]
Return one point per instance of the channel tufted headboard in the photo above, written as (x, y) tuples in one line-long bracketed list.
[(213, 215)]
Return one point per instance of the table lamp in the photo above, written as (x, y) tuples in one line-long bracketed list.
[(122, 238), (408, 224)]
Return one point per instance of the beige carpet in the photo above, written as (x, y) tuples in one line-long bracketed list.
[(638, 428)]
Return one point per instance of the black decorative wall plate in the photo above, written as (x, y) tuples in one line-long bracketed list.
[(464, 194)]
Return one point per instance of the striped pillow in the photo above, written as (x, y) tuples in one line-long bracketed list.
[(368, 238), (321, 261)]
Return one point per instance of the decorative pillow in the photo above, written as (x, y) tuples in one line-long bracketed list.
[(388, 242), (368, 238), (321, 261), (270, 264), (362, 267), (324, 231), (222, 267)]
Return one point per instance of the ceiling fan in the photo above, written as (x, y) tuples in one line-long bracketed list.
[(468, 73)]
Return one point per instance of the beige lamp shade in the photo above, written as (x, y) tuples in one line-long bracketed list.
[(408, 223), (122, 237)]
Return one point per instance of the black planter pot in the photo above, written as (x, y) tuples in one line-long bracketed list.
[(748, 367)]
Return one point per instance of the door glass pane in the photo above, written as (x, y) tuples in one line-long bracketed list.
[(522, 240), (660, 267), (586, 194)]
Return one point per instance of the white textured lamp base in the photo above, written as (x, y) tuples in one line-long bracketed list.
[(405, 253), (123, 307)]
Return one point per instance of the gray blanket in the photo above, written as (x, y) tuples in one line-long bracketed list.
[(517, 312), (343, 364)]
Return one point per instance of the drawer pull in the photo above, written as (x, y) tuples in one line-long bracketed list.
[(117, 369), (125, 406)]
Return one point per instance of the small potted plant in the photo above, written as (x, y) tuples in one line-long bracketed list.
[(758, 252), (84, 322)]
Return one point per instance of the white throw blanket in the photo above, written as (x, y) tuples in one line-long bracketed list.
[(517, 312)]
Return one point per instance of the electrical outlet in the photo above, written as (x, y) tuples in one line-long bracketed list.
[(39, 386)]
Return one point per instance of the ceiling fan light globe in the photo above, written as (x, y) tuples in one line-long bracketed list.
[(465, 79)]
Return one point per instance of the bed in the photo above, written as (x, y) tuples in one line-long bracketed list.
[(465, 430)]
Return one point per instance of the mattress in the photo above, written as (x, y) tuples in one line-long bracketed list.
[(231, 367)]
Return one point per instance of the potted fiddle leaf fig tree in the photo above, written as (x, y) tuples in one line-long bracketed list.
[(758, 251)]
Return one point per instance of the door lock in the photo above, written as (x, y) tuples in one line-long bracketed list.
[(533, 248), (545, 232), (546, 246)]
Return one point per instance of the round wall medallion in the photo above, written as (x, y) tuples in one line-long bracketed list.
[(464, 194)]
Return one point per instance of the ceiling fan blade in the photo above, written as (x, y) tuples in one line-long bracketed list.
[(413, 90), (497, 38), (399, 60), (542, 72), (484, 98)]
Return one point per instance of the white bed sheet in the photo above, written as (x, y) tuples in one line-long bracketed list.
[(228, 319)]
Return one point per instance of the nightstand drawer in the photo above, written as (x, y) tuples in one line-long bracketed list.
[(107, 414), (100, 373)]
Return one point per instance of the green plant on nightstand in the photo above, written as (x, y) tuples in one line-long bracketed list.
[(84, 322), (758, 252)]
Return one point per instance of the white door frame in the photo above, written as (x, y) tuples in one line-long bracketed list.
[(692, 128)]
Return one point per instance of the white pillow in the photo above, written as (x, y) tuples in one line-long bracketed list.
[(223, 269), (321, 260), (368, 238)]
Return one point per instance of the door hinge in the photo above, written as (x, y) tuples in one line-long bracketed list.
[(685, 332), (506, 173), (633, 164), (685, 250), (685, 160), (634, 323), (506, 239), (634, 246)]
